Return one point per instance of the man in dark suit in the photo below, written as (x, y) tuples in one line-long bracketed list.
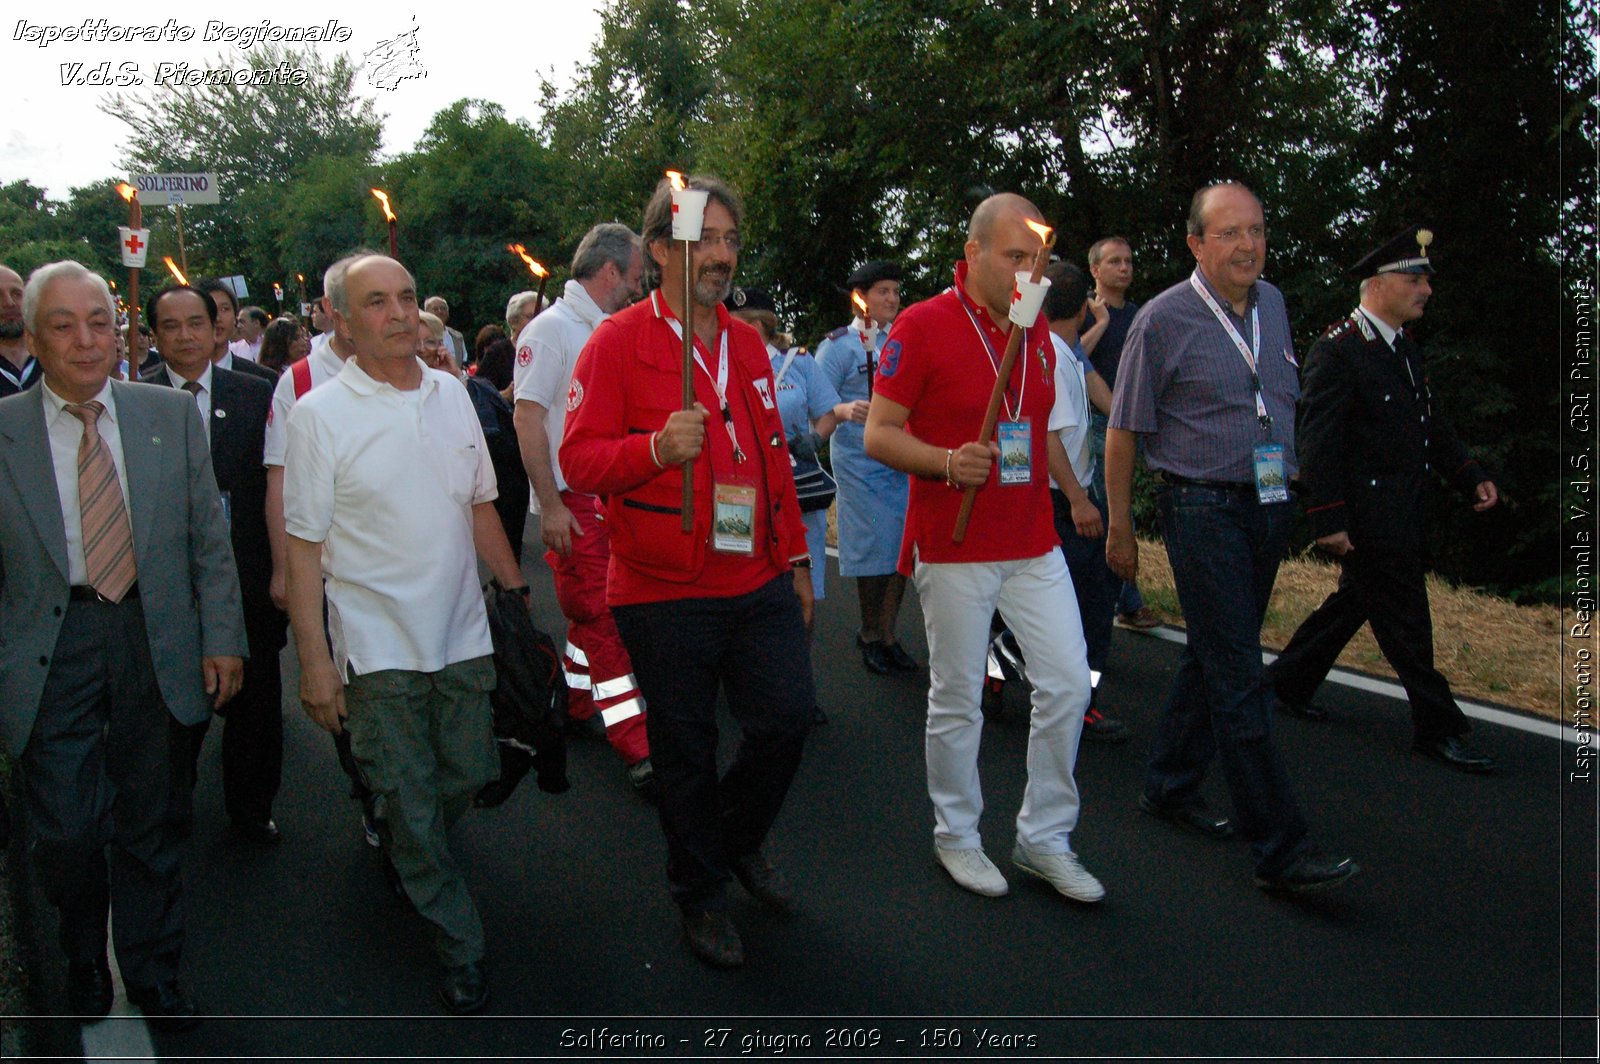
[(1370, 441), (122, 626), (227, 305), (234, 408)]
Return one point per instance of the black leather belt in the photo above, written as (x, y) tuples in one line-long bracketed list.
[(1215, 485), (85, 593)]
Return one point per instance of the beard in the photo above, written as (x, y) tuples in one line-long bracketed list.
[(10, 330), (713, 285)]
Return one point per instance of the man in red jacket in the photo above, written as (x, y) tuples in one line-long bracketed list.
[(726, 604)]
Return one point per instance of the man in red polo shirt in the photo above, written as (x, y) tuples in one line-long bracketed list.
[(725, 605), (934, 380)]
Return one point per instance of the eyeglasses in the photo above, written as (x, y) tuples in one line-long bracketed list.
[(727, 240), (1231, 235)]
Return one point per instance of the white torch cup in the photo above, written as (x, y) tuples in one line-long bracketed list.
[(133, 258), (688, 213), (1027, 299)]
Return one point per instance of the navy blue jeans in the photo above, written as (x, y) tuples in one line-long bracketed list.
[(1224, 547), (1093, 582)]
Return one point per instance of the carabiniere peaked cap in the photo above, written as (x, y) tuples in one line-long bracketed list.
[(1405, 253)]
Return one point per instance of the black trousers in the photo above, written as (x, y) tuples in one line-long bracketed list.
[(252, 732), (1386, 588), (106, 774), (755, 648)]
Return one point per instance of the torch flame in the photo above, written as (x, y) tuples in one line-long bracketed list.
[(126, 191), (177, 273), (1041, 229), (861, 305), (534, 267), (677, 180), (383, 198)]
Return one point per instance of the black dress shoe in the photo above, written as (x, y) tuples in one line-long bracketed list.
[(1303, 710), (898, 659), (1192, 815), (713, 938), (263, 832), (764, 883), (465, 989), (1099, 728), (817, 716), (1310, 871), (1453, 751), (89, 990), (166, 1006), (874, 657)]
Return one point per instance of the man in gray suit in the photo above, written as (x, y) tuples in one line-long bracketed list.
[(123, 626)]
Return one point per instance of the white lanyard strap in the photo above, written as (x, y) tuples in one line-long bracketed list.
[(1251, 354), (719, 383), (788, 360), (995, 360)]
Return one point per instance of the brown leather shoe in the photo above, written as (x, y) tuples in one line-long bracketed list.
[(764, 883)]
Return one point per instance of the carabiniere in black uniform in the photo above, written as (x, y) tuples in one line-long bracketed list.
[(1370, 440)]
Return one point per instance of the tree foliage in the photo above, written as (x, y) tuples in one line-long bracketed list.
[(860, 129)]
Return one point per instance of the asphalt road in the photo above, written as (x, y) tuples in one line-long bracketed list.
[(1470, 932)]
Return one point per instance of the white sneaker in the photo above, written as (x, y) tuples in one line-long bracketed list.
[(1062, 871), (972, 870)]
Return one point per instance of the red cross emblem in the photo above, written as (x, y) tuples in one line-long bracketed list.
[(133, 243)]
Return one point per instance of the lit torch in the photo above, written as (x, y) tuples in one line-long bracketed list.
[(688, 217), (537, 269), (177, 274), (1026, 299), (394, 223), (869, 336)]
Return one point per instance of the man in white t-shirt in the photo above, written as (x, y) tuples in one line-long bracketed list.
[(406, 662), (607, 271)]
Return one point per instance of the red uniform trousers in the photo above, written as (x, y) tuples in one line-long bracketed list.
[(598, 670)]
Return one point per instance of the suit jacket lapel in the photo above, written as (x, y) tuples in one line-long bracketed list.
[(27, 458), (142, 449), (222, 397)]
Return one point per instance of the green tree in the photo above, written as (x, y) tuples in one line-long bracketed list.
[(257, 139)]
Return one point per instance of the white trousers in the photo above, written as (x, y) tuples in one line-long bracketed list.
[(1035, 597)]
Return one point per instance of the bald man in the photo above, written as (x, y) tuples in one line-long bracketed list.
[(18, 370), (934, 379)]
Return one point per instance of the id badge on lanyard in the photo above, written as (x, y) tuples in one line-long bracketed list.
[(733, 516), (1271, 483), (1016, 451)]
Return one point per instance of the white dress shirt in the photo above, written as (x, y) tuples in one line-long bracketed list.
[(202, 398)]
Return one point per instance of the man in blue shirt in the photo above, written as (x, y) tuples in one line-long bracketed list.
[(1209, 383)]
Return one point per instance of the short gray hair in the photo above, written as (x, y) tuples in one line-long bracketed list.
[(610, 242), (40, 279), (515, 302), (441, 300), (434, 323), (658, 213), (1097, 250), (333, 279)]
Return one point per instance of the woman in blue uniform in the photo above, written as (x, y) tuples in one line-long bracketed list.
[(872, 497)]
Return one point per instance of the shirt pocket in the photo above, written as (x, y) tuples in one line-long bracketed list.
[(458, 469)]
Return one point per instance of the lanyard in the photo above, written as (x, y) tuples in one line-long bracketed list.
[(1251, 354), (995, 360), (788, 360), (719, 382), (28, 369)]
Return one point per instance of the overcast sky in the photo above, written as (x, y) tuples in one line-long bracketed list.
[(53, 134)]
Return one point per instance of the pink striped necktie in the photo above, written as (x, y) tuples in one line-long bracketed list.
[(107, 534)]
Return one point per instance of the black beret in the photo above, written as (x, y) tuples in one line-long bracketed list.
[(749, 299), (872, 273)]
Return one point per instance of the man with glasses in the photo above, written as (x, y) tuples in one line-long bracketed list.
[(724, 605), (1209, 383)]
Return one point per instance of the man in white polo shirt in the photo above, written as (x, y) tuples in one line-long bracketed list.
[(607, 273), (410, 667)]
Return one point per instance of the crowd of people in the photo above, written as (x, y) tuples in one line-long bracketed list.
[(159, 539)]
